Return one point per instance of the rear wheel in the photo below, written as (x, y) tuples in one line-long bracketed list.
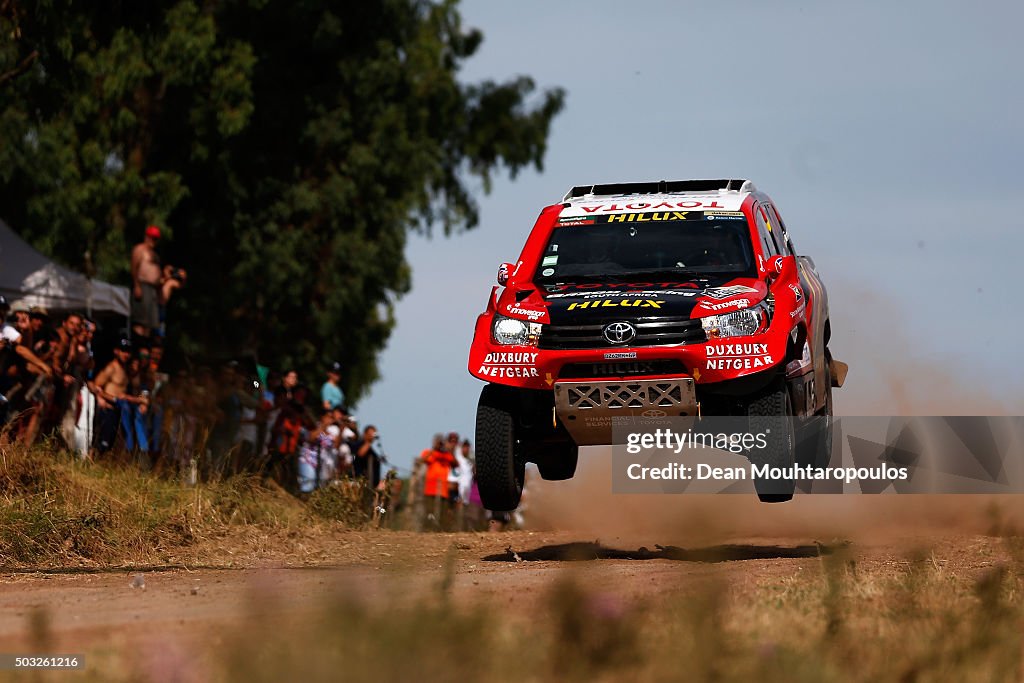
[(814, 438), (555, 461), (500, 467), (764, 413)]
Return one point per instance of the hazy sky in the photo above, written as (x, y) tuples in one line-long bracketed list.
[(891, 136)]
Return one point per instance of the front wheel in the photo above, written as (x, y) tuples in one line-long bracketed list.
[(771, 414), (500, 468)]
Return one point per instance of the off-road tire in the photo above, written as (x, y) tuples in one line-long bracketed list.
[(814, 438), (764, 413), (500, 469), (555, 461)]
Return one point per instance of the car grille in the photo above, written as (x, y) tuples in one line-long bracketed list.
[(659, 332), (634, 368)]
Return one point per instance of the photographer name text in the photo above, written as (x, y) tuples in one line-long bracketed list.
[(703, 472)]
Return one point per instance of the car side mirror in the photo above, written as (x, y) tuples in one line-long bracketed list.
[(504, 272)]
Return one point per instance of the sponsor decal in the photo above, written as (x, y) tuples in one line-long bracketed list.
[(593, 421), (525, 312), (509, 364), (507, 371), (503, 273), (654, 412), (737, 356), (642, 206), (581, 286), (549, 261), (609, 303), (797, 292), (645, 217), (735, 303), (614, 369), (511, 358), (620, 355), (633, 293), (547, 272), (726, 292), (644, 212), (777, 263)]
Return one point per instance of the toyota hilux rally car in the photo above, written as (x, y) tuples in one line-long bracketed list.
[(670, 298)]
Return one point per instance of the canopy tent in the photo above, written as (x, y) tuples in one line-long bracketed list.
[(27, 278)]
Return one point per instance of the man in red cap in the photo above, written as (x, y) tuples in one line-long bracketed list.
[(146, 279)]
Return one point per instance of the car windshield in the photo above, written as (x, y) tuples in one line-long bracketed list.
[(680, 248)]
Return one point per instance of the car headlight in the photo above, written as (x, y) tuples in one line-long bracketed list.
[(512, 332), (742, 323)]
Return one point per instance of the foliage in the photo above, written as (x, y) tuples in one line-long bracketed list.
[(287, 148)]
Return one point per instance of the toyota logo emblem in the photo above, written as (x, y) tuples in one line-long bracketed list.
[(619, 333)]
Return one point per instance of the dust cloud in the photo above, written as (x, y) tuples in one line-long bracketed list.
[(889, 375)]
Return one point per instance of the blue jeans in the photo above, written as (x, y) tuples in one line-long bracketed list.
[(133, 422), (156, 425)]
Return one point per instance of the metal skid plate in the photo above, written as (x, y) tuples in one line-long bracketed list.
[(590, 409)]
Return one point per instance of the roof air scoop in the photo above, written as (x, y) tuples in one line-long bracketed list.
[(659, 187)]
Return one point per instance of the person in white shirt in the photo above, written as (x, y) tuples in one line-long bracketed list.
[(465, 471), (344, 422)]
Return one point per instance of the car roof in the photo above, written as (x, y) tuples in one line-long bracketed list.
[(724, 195)]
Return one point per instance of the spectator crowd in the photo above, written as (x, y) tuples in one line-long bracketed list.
[(217, 420)]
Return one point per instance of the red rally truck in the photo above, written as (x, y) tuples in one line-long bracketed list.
[(654, 299)]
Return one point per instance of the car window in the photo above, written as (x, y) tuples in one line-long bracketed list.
[(779, 232), (767, 244)]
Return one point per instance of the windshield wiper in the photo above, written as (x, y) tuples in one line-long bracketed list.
[(681, 273)]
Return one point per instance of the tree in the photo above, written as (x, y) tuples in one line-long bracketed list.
[(287, 147)]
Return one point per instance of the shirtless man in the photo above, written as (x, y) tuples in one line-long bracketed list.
[(146, 281), (17, 365), (64, 348), (111, 389)]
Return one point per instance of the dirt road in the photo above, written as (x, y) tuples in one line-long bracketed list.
[(148, 605), (642, 553)]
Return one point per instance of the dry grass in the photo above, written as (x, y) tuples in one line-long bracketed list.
[(58, 511)]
